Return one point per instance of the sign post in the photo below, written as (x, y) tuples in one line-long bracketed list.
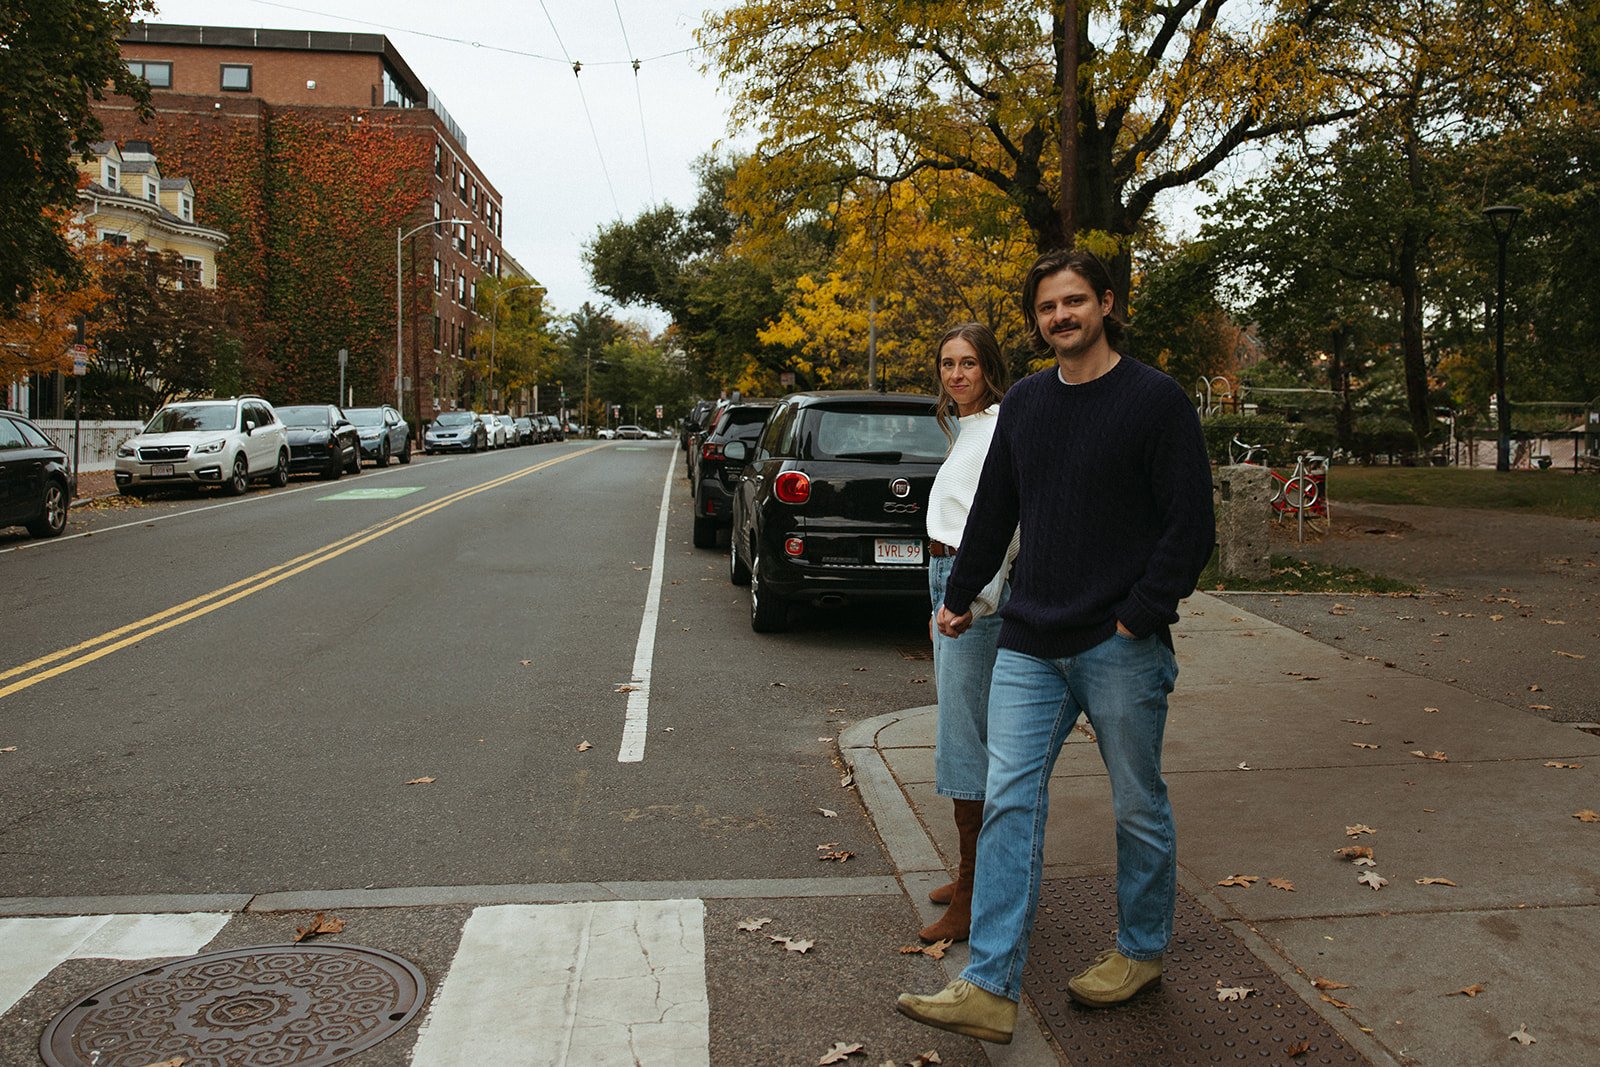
[(80, 367), (344, 357)]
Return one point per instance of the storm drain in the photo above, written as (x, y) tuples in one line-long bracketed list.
[(1181, 1021), (283, 1005), (915, 652)]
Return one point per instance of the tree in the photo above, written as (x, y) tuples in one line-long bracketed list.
[(846, 94), (35, 336), (55, 56), (1183, 328), (513, 330)]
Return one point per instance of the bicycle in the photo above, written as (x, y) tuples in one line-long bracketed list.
[(1300, 493)]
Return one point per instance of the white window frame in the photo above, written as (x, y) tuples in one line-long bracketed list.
[(110, 175)]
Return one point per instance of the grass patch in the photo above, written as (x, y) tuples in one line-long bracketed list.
[(1291, 575), (1560, 493)]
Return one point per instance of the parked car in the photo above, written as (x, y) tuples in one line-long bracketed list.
[(227, 443), (831, 505), (454, 431), (715, 476), (551, 428), (321, 440), (605, 433), (384, 433), (494, 430), (695, 421), (632, 433), (35, 478), (527, 431)]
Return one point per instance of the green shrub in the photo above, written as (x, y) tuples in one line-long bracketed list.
[(1273, 433)]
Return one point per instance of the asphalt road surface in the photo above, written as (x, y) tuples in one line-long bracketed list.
[(421, 680)]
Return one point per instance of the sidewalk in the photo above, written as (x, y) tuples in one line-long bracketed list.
[(1267, 765)]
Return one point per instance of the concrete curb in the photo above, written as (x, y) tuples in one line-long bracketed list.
[(920, 869)]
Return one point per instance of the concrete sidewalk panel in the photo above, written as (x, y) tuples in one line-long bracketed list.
[(1536, 967), (1254, 657)]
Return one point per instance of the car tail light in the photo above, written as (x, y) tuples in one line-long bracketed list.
[(793, 487), (794, 546), (710, 451), (711, 506)]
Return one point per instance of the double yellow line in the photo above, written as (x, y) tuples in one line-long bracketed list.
[(95, 648)]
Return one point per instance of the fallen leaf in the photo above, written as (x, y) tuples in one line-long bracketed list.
[(1364, 744), (1569, 655), (752, 925), (847, 781), (1470, 991), (1521, 1036), (1554, 622), (1299, 1048), (791, 944), (1434, 881), (1496, 618), (1586, 815), (923, 1059), (1435, 755), (1540, 707), (1235, 992), (1536, 688), (1358, 829), (935, 950), (825, 740), (839, 1053), (826, 846), (1245, 880), (826, 814), (1328, 983), (9, 748), (1244, 766), (1372, 878), (841, 856), (1335, 1001), (1358, 722), (584, 746), (780, 685), (1281, 883), (422, 781), (1564, 766), (525, 662), (626, 689), (319, 924), (1431, 711)]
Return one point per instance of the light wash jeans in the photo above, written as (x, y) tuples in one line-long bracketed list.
[(1121, 684), (962, 667)]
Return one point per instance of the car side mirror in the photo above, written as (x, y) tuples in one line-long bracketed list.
[(737, 451), (249, 427)]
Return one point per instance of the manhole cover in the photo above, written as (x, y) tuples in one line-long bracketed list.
[(284, 1005)]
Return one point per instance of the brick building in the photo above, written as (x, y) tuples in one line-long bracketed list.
[(323, 148)]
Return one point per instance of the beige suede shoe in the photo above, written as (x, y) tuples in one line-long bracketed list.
[(963, 1008), (1113, 979)]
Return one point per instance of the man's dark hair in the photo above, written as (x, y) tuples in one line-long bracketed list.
[(1087, 266)]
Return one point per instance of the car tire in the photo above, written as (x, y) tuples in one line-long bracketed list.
[(705, 530), (769, 614), (335, 468), (405, 453), (240, 481), (474, 448), (130, 491), (53, 507), (355, 460), (738, 573), (383, 454), (280, 473)]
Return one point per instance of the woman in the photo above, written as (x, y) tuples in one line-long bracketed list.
[(972, 379)]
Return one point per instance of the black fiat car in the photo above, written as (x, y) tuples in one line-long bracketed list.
[(831, 504)]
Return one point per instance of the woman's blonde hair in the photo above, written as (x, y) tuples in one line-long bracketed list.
[(990, 362)]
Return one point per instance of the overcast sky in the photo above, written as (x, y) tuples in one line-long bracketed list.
[(524, 116)]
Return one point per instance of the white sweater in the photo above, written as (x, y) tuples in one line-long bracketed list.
[(953, 489)]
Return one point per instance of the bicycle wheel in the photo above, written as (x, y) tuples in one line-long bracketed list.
[(1299, 494)]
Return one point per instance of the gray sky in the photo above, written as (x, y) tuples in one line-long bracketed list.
[(524, 116)]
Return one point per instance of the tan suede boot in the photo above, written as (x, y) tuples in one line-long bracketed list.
[(956, 922), (963, 1008), (1114, 978)]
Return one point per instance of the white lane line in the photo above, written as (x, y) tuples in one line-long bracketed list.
[(597, 984), (635, 725)]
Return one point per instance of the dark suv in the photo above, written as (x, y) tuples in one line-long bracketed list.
[(831, 505), (713, 475)]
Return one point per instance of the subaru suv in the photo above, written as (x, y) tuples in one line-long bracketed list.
[(831, 503), (226, 443)]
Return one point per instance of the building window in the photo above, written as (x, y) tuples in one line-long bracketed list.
[(186, 208), (193, 272), (438, 160), (159, 75), (437, 272), (461, 289), (152, 192), (436, 331), (437, 214), (235, 78), (110, 175), (110, 238)]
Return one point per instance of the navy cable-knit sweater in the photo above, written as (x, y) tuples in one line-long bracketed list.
[(1112, 486)]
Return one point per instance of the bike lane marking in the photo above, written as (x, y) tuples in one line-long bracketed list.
[(635, 724)]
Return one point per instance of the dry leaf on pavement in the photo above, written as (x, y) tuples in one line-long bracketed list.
[(1281, 883), (825, 740), (1357, 722), (1434, 881), (1435, 755), (1470, 991), (1540, 707), (847, 781), (841, 855), (793, 944), (1299, 1048), (1372, 878), (828, 814), (1235, 992), (1536, 688), (924, 1059), (1327, 983), (1358, 854), (422, 781), (1431, 711), (1358, 829), (1521, 1036), (752, 925), (319, 924), (9, 748), (1569, 655), (1587, 815), (626, 689), (839, 1052), (584, 746), (1364, 744), (934, 951), (1245, 880), (1335, 1001), (1244, 766), (525, 662), (1565, 766)]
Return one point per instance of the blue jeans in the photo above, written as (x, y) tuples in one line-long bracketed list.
[(961, 672), (1121, 684)]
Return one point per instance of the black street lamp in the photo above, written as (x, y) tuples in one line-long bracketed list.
[(1501, 218)]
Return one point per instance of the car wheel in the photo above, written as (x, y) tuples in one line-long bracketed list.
[(738, 573), (335, 467), (705, 530), (280, 473), (52, 511), (383, 454), (768, 613), (474, 448), (240, 480), (130, 491), (355, 460), (405, 453)]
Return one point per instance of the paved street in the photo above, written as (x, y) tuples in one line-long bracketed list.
[(216, 710)]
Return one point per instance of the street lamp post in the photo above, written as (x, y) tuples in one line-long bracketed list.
[(494, 326), (400, 235), (1501, 218)]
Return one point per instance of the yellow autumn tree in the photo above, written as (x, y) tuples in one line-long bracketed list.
[(35, 338)]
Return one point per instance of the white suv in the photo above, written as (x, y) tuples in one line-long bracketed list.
[(206, 442)]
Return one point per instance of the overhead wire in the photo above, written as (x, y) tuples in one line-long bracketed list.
[(644, 135), (587, 114)]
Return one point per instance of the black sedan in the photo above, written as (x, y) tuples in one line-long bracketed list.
[(831, 506), (35, 478), (384, 434), (713, 475), (321, 440)]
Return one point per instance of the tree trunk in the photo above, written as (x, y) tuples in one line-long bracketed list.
[(1416, 368), (1339, 382)]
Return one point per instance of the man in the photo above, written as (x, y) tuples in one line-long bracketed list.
[(1101, 460)]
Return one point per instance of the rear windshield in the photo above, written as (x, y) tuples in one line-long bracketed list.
[(453, 418), (184, 417), (742, 424), (365, 416), (875, 433), (303, 416)]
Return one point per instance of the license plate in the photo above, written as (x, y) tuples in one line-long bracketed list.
[(897, 550), (161, 470)]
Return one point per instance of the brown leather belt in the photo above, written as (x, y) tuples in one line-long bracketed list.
[(939, 548)]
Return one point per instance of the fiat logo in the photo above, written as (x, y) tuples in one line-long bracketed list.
[(900, 487)]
